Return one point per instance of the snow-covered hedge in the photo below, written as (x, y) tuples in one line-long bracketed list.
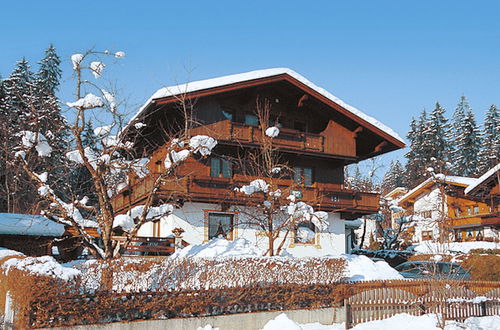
[(210, 273)]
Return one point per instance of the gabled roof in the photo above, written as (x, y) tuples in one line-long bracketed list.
[(486, 177), (215, 85), (396, 191), (449, 179)]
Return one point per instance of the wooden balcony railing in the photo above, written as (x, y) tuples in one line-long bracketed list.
[(241, 133), (150, 246), (323, 196), (480, 219)]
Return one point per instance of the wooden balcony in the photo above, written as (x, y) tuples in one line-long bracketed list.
[(230, 132), (491, 219), (196, 188)]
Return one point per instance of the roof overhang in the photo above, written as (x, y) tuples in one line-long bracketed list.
[(213, 86)]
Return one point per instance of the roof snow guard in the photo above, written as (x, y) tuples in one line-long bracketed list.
[(209, 85)]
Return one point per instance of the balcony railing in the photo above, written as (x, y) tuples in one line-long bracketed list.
[(480, 219), (241, 133), (323, 196)]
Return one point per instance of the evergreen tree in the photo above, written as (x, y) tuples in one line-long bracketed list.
[(395, 177), (417, 156), (29, 104), (14, 105), (437, 135), (49, 72), (466, 140), (490, 151)]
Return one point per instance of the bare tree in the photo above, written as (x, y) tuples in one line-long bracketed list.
[(270, 206), (109, 161)]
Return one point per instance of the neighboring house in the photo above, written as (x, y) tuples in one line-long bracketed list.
[(319, 135), (32, 235), (35, 235), (443, 205), (394, 195), (485, 191)]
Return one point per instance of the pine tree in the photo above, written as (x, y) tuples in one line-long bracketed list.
[(17, 93), (490, 151), (418, 154), (466, 140), (395, 177), (29, 104), (437, 135), (49, 72)]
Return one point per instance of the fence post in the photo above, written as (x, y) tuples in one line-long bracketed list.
[(9, 312), (347, 308)]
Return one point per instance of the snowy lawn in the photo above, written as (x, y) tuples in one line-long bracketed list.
[(399, 321), (453, 247)]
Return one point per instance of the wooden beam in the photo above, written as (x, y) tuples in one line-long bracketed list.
[(380, 146), (357, 131), (304, 98)]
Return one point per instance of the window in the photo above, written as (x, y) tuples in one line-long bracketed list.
[(220, 167), (427, 214), (227, 114), (469, 210), (305, 233), (427, 235), (303, 176), (251, 120), (476, 209), (457, 212), (220, 225)]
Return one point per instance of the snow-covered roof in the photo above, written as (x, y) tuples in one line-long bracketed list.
[(492, 171), (27, 224), (259, 74), (457, 180), (395, 191)]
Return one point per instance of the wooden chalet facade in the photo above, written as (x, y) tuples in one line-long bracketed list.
[(319, 135), (464, 217), (486, 191)]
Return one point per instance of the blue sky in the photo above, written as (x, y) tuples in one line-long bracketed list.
[(388, 58)]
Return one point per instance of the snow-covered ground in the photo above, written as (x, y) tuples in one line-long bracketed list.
[(358, 268), (195, 262), (362, 268), (453, 247), (398, 321)]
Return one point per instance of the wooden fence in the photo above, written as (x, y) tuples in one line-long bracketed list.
[(451, 302), (363, 301)]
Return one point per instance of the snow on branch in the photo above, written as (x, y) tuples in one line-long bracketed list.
[(89, 101), (31, 139), (257, 185)]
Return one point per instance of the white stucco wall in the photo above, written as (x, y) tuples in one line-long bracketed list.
[(191, 218), (431, 201)]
